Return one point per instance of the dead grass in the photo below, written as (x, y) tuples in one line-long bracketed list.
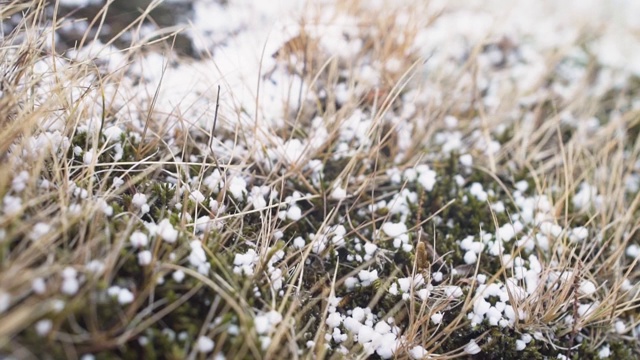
[(39, 84)]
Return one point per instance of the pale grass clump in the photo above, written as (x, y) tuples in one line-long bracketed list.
[(251, 251)]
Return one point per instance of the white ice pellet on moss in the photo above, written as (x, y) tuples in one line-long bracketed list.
[(338, 236), (470, 257), (469, 244), (579, 233), (586, 287), (39, 230), (394, 229), (117, 182), (585, 196), (365, 334), (426, 177), (5, 301), (183, 336), (203, 223), (387, 346), (70, 284), (408, 282), (169, 334), (213, 181), (494, 316), (506, 232), (437, 318), (197, 196), (338, 193), (620, 327), (352, 324), (520, 345), (118, 152), (337, 336), (237, 187), (140, 201), (510, 314), (395, 176), (410, 174), (166, 231), (144, 258), (43, 327), (256, 198), (318, 243), (275, 275), (359, 314), (466, 160), (80, 193), (178, 276), (244, 262), (298, 242), (19, 182), (264, 323), (478, 192), (39, 286), (522, 186), (104, 207), (11, 204), (88, 156), (95, 267), (57, 305), (418, 352), (585, 310), (125, 296), (233, 329), (481, 306), (204, 344), (453, 291), (350, 282), (112, 133), (138, 239), (370, 249), (393, 289), (334, 320), (604, 352), (294, 213), (198, 257), (367, 277), (472, 348), (551, 229), (450, 141), (633, 251), (498, 207), (450, 121), (382, 327)]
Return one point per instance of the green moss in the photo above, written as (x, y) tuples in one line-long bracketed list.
[(162, 195), (624, 350)]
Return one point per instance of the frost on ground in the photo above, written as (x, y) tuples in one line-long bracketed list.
[(379, 179)]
